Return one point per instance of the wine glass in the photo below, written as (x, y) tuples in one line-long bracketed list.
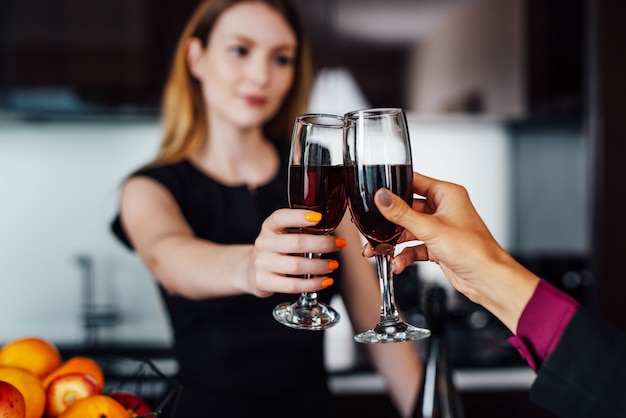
[(377, 154), (315, 183)]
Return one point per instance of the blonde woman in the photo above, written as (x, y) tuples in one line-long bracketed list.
[(208, 218)]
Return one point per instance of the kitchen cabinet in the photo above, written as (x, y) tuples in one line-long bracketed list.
[(607, 125)]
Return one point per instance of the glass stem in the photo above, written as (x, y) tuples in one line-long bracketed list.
[(308, 299), (388, 312)]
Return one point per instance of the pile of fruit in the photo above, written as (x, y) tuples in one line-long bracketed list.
[(35, 382)]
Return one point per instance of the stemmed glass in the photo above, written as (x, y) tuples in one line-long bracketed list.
[(315, 183), (377, 154)]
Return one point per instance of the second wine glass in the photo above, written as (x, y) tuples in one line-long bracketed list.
[(377, 154), (315, 183)]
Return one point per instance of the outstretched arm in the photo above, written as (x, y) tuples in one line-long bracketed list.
[(196, 268)]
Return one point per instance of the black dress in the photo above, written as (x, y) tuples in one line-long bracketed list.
[(234, 359)]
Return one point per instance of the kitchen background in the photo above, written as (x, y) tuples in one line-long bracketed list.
[(494, 90)]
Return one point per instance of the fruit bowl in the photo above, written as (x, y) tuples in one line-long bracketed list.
[(140, 385)]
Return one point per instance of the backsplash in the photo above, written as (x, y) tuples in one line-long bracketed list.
[(59, 193)]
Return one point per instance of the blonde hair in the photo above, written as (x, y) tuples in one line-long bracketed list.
[(183, 110)]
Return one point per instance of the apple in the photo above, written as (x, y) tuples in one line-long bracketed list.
[(67, 389), (12, 404), (135, 405)]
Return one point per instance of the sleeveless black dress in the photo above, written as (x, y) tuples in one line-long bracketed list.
[(234, 359)]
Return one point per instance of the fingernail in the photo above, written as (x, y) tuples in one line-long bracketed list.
[(327, 282), (340, 242), (313, 216), (384, 197), (394, 266), (333, 264)]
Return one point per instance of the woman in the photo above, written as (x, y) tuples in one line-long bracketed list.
[(208, 219), (578, 357)]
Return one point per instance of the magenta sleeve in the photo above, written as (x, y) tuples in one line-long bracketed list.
[(542, 323)]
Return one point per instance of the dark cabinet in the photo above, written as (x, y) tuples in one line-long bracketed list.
[(607, 125)]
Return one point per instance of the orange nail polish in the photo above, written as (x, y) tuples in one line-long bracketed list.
[(327, 282), (313, 216), (340, 242), (333, 265)]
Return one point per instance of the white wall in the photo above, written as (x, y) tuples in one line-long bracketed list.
[(58, 193)]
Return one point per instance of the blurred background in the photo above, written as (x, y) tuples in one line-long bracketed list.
[(512, 98)]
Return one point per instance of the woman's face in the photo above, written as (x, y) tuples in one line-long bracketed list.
[(248, 66)]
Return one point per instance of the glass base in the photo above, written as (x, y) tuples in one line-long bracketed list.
[(316, 317), (393, 332)]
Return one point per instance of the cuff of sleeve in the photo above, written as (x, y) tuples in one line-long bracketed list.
[(542, 323)]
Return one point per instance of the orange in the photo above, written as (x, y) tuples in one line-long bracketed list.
[(78, 364), (30, 386), (31, 353), (96, 406)]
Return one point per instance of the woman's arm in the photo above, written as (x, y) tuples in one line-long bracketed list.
[(198, 269), (398, 363)]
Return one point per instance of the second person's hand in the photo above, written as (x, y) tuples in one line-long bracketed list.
[(454, 236), (443, 218)]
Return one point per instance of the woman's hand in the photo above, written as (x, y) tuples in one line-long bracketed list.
[(278, 254), (186, 265)]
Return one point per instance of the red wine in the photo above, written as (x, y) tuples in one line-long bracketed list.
[(319, 188), (364, 181)]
